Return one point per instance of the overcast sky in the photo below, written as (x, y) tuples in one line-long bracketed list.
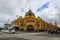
[(10, 8)]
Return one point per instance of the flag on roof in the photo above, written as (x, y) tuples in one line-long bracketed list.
[(22, 9), (44, 6)]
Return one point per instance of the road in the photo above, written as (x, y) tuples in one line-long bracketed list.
[(29, 36)]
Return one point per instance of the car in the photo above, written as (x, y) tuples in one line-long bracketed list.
[(5, 31), (57, 31), (11, 31)]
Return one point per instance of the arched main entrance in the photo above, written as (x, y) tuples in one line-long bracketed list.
[(16, 28), (30, 28)]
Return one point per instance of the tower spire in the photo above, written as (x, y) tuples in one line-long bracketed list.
[(55, 23)]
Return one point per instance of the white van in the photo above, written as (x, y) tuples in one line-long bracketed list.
[(8, 30)]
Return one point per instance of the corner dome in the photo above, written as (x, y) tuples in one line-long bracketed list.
[(30, 13), (20, 17), (38, 17)]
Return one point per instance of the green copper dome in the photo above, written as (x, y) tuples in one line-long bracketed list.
[(29, 13)]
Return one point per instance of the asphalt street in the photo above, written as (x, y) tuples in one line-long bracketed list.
[(29, 36)]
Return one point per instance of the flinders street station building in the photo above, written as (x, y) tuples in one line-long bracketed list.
[(31, 22)]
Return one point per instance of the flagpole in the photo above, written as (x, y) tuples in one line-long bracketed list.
[(30, 8), (8, 21)]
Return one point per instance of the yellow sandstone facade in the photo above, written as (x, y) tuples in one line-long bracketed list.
[(31, 22)]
